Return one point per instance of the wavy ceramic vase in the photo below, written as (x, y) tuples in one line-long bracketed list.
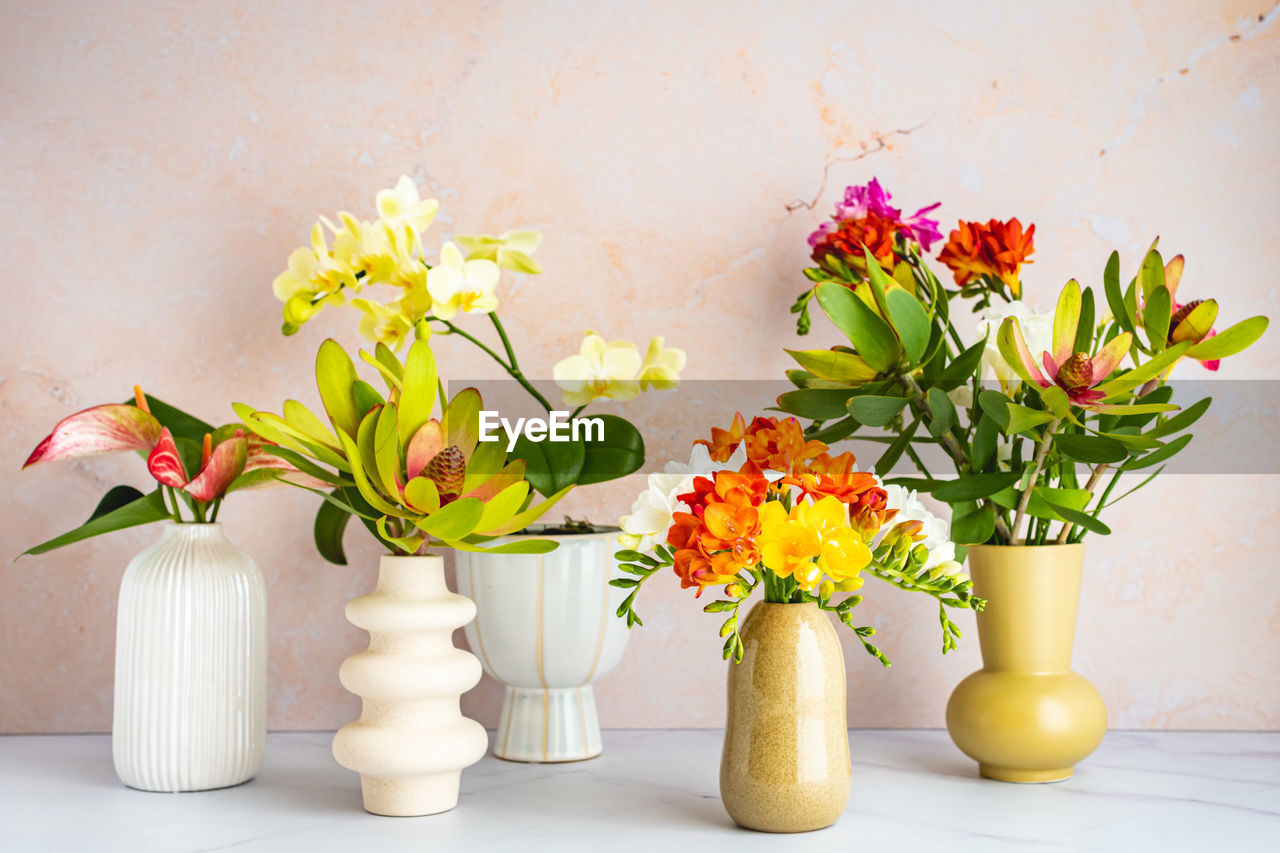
[(785, 765), (1025, 716), (191, 664), (411, 741), (546, 628)]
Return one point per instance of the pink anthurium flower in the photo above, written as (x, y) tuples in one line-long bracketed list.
[(1076, 373), (100, 429), (220, 467)]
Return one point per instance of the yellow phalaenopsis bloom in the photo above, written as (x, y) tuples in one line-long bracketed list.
[(510, 250), (363, 247), (402, 205), (386, 324), (457, 285), (661, 367), (812, 541), (613, 370)]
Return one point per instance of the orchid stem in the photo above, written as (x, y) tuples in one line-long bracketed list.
[(1041, 452), (512, 367)]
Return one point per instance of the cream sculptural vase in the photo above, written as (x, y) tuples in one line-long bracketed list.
[(546, 628), (411, 741), (1025, 716), (785, 765), (191, 664)]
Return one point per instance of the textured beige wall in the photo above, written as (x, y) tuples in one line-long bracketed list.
[(160, 161)]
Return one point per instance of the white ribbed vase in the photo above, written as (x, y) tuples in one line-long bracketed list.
[(411, 741), (547, 628), (191, 664)]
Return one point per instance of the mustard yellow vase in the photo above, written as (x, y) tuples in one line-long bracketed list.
[(785, 766), (1025, 716)]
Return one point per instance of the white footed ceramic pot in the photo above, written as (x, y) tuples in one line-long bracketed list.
[(411, 741), (546, 628), (191, 664)]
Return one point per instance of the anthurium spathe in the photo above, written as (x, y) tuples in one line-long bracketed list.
[(193, 464), (415, 481)]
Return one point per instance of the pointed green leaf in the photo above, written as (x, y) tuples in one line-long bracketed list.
[(819, 404), (1158, 455), (972, 487), (870, 335), (1151, 275), (143, 510), (335, 374), (1233, 340), (1115, 299), (910, 321), (418, 393), (619, 453), (453, 520), (1182, 420), (835, 365), (1155, 318), (366, 396), (943, 411), (1093, 449), (331, 523), (875, 411)]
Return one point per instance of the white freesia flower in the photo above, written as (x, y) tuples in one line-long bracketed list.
[(1037, 331), (652, 513), (937, 533)]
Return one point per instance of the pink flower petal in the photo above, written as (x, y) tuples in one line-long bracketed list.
[(165, 464), (1050, 367), (101, 429), (224, 465), (1109, 356), (423, 447)]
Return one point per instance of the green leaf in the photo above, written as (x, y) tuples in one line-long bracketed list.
[(301, 419), (180, 424), (389, 375), (620, 453), (114, 499), (895, 450), (819, 404), (943, 411), (1093, 449), (454, 520), (910, 321), (1115, 300), (1130, 380), (1158, 455), (1182, 420), (1088, 522), (1131, 440), (875, 411), (1056, 401), (1155, 317), (365, 396), (143, 510), (995, 406), (870, 335), (971, 487), (503, 506), (963, 367), (418, 395), (306, 466), (1233, 340), (834, 365), (335, 374), (1022, 419), (1038, 506), (331, 523), (1084, 329), (836, 431), (985, 435), (1151, 275), (974, 528), (522, 546), (386, 451), (363, 485), (550, 465)]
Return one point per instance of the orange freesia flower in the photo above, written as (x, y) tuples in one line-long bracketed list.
[(994, 251), (872, 230), (834, 476), (779, 445), (724, 441)]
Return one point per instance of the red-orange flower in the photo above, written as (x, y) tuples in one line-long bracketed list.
[(993, 251), (869, 512), (847, 240), (834, 476), (724, 441), (774, 445)]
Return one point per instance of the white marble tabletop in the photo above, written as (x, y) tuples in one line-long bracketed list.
[(912, 790)]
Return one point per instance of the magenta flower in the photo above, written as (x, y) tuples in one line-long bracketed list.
[(872, 198)]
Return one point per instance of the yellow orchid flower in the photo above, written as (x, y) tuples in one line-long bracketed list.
[(402, 205), (601, 369), (363, 247), (459, 285), (661, 367), (385, 324), (510, 251)]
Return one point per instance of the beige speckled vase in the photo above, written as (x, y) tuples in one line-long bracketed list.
[(785, 766)]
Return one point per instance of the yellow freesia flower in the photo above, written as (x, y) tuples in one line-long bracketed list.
[(459, 285), (661, 367), (811, 541), (601, 369), (402, 205), (384, 324), (511, 250)]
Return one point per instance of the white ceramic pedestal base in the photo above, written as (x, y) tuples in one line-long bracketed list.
[(548, 725), (546, 628)]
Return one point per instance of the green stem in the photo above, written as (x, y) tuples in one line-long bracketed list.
[(1042, 450), (512, 367), (1065, 533)]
